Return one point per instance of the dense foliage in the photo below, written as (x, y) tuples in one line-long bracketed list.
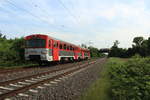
[(95, 52), (11, 51), (130, 80), (140, 46)]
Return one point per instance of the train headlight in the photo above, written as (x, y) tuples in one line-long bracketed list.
[(44, 51)]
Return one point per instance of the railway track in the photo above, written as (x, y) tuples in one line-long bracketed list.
[(23, 72), (29, 83), (28, 68)]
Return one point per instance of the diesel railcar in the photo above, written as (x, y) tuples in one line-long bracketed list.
[(43, 48)]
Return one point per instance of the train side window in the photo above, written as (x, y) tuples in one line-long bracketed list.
[(65, 46), (55, 44), (60, 46), (70, 47), (49, 43)]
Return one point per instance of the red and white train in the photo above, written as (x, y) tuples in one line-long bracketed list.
[(43, 48)]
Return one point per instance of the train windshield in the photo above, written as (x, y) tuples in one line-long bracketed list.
[(35, 43)]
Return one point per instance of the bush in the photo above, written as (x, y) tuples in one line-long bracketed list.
[(130, 80), (11, 51)]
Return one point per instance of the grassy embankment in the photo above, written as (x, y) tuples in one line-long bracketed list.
[(122, 80)]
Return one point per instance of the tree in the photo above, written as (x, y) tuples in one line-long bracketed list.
[(116, 43), (144, 51), (83, 45), (2, 36), (138, 41), (139, 45), (11, 51), (18, 46), (94, 52), (116, 51)]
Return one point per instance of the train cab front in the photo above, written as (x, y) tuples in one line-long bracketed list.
[(36, 48)]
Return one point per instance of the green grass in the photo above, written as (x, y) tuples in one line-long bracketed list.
[(121, 79), (100, 89)]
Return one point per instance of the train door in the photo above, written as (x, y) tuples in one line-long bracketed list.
[(55, 51)]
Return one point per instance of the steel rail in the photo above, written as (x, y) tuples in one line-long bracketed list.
[(22, 89)]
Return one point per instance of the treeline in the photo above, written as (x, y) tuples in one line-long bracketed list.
[(140, 47), (11, 51), (95, 52)]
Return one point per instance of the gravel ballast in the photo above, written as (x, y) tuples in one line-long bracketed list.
[(32, 71), (69, 88)]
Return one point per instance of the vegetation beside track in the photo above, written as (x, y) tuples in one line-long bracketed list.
[(122, 80), (99, 89), (12, 52)]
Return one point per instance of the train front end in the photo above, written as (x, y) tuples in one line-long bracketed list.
[(37, 49)]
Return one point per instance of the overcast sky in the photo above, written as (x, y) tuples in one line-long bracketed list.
[(100, 22)]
